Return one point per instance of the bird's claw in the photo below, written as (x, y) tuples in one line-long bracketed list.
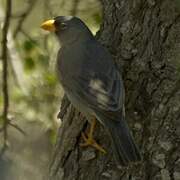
[(89, 141)]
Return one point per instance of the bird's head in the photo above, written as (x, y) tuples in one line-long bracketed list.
[(68, 29)]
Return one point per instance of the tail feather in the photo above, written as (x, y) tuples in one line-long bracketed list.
[(124, 148)]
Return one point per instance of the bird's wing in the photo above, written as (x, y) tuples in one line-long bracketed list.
[(99, 83)]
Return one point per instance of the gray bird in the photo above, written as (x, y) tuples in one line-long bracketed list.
[(93, 84)]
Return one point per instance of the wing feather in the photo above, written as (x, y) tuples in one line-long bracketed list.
[(99, 83)]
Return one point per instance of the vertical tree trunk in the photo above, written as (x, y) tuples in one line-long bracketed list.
[(144, 39)]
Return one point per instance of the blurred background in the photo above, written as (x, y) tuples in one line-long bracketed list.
[(34, 92)]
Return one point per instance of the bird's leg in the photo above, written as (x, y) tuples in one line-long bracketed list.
[(89, 141)]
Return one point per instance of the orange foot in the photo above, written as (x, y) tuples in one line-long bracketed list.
[(89, 141)]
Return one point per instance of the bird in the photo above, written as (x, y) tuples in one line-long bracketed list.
[(93, 84)]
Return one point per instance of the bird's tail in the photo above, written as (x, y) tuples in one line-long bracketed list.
[(124, 147)]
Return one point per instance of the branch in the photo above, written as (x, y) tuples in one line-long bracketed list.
[(75, 7), (17, 128), (5, 68), (28, 36), (23, 17)]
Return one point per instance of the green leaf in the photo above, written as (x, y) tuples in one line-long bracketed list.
[(29, 45), (29, 63), (50, 79)]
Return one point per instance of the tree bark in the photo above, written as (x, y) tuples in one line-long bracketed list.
[(143, 37)]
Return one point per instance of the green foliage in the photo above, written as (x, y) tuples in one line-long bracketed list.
[(29, 45), (50, 79), (29, 64)]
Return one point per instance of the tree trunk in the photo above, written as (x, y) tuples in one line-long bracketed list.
[(144, 38)]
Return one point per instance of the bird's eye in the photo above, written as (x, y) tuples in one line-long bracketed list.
[(63, 26)]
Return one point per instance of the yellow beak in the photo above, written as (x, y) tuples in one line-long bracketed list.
[(48, 25)]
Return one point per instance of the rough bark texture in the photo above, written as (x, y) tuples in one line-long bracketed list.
[(143, 37)]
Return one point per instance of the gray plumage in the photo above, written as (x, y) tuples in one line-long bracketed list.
[(93, 84)]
